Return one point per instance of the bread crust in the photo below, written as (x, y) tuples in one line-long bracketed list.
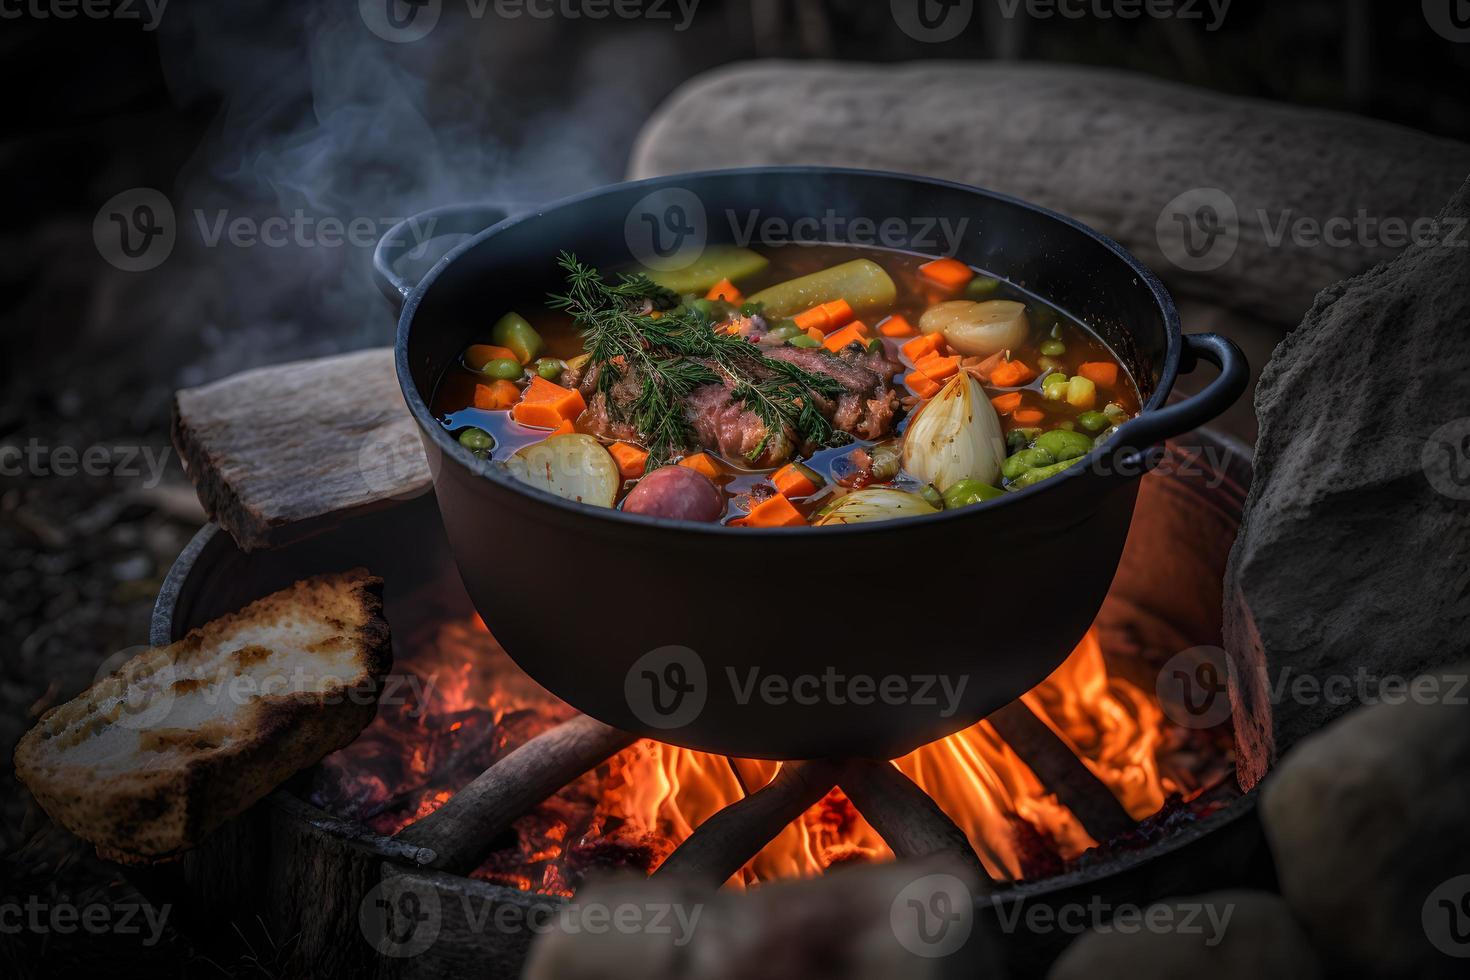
[(177, 784)]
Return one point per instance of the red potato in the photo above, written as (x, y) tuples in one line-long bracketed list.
[(677, 492)]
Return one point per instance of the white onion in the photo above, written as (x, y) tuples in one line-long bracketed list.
[(875, 504), (955, 436), (978, 328), (573, 466)]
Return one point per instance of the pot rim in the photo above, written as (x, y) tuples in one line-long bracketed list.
[(449, 448)]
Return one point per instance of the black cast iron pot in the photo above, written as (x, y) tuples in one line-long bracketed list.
[(793, 643)]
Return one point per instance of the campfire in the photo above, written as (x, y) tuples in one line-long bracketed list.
[(461, 704)]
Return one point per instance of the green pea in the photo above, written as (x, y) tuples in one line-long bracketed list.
[(751, 308), (502, 369), (515, 331), (1026, 459), (786, 331), (1116, 413), (1053, 348), (550, 368), (477, 440), (1034, 476), (968, 492), (803, 341), (1093, 422), (1019, 439), (1064, 445), (935, 498), (875, 345), (981, 286), (1054, 390)]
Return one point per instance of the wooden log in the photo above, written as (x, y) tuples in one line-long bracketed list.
[(724, 842), (461, 831), (1059, 769), (280, 453), (906, 817)]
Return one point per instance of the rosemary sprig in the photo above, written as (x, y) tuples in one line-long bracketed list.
[(678, 351)]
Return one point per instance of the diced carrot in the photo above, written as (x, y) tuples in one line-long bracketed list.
[(813, 319), (497, 395), (630, 459), (938, 368), (725, 290), (922, 384), (949, 273), (792, 482), (986, 367), (816, 335), (920, 347), (839, 313), (856, 332), (1028, 416), (774, 511), (565, 429), (1101, 373), (1010, 374), (702, 463), (477, 356), (897, 326), (546, 405), (1007, 403)]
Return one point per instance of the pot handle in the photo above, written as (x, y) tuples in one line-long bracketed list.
[(410, 233), (1139, 438)]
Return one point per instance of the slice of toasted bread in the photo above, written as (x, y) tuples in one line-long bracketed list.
[(149, 760)]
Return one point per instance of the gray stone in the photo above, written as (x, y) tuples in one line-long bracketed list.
[(1352, 567), (1110, 148), (1222, 934), (1367, 822)]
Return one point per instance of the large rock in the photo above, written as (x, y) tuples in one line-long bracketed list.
[(1110, 148), (1367, 822), (1352, 567), (1224, 935)]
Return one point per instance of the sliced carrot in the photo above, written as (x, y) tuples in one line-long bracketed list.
[(1007, 403), (546, 405), (922, 384), (631, 460), (496, 396), (920, 347), (856, 332), (725, 290), (949, 273), (897, 326), (839, 313), (813, 319), (1101, 373), (938, 368), (816, 334), (1010, 374), (986, 367), (1028, 416), (792, 482), (477, 356), (565, 429), (774, 511), (702, 463)]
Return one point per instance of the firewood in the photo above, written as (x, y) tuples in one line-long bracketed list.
[(907, 818)]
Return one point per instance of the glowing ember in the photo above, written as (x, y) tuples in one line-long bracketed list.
[(475, 705)]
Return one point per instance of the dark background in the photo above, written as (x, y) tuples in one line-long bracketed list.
[(253, 109)]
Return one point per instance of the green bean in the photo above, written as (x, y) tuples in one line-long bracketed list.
[(503, 369), (1034, 476), (515, 331), (803, 341), (968, 492), (861, 282), (1026, 460), (1093, 422), (476, 440), (1053, 348), (1019, 439), (550, 368), (1064, 445)]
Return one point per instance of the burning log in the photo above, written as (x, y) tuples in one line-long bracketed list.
[(461, 832), (1064, 774), (906, 817), (724, 842)]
